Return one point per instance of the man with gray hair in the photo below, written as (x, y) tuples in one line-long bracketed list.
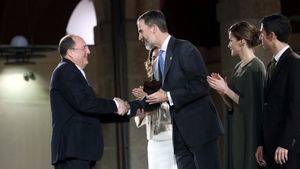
[(77, 141)]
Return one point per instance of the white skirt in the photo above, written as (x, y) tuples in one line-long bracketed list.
[(161, 155)]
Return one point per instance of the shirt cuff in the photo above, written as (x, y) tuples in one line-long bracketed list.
[(117, 104), (170, 99)]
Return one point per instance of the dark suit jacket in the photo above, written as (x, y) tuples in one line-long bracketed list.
[(281, 125), (76, 115), (185, 78)]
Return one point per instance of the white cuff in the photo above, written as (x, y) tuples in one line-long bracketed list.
[(170, 99), (117, 104)]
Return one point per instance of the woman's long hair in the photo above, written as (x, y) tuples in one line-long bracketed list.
[(149, 62)]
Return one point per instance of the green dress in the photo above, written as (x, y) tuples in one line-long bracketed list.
[(245, 118)]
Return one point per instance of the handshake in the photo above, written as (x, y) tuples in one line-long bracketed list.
[(129, 108)]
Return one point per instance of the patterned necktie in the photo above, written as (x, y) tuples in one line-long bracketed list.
[(271, 68), (161, 62)]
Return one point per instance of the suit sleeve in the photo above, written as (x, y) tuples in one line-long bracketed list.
[(194, 69), (293, 114), (80, 96), (113, 118)]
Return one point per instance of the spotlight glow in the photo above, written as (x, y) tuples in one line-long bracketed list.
[(14, 87)]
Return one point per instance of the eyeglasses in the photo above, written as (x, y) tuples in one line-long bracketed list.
[(83, 48)]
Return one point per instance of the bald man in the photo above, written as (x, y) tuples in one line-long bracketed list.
[(77, 141)]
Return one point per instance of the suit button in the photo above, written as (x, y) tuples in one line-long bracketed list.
[(265, 103)]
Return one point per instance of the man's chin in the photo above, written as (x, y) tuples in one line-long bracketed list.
[(148, 46), (86, 63)]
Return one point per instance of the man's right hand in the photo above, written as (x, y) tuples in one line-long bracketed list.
[(123, 106), (260, 156)]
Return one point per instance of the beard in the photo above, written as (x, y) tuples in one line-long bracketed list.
[(149, 46)]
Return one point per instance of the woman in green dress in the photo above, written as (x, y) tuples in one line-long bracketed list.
[(243, 96)]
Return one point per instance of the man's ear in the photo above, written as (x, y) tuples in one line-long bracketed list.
[(272, 36), (69, 53), (154, 28), (243, 42)]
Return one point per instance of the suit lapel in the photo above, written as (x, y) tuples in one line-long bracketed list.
[(76, 70), (169, 57), (279, 67)]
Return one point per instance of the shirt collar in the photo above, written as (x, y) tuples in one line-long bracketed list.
[(82, 72), (164, 46), (278, 55)]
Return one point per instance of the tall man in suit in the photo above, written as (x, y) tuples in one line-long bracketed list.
[(280, 141), (76, 111), (196, 125)]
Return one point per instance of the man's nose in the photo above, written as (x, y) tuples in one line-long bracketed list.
[(88, 51), (140, 37), (261, 36)]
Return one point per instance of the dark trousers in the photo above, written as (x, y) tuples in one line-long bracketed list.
[(204, 157), (73, 163)]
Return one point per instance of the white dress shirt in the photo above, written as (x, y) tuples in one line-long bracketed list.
[(278, 55), (164, 47)]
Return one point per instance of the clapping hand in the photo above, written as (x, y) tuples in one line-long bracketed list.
[(139, 93), (123, 106), (216, 82)]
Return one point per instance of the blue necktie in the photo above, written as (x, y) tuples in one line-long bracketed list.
[(161, 62)]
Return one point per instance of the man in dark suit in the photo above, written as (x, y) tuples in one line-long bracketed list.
[(76, 111), (279, 146), (196, 125)]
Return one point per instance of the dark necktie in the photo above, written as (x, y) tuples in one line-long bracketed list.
[(271, 68)]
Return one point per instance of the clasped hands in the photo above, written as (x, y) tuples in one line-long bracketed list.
[(158, 97), (123, 106)]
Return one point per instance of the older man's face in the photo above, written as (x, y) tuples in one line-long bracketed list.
[(146, 34), (80, 52)]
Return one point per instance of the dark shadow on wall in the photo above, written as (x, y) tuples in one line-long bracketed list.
[(290, 9), (41, 22), (193, 20)]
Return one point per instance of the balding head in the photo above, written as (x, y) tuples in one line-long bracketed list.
[(67, 42), (74, 48)]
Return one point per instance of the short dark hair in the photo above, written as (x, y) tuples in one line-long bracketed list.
[(278, 24), (247, 31), (154, 18), (65, 43)]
